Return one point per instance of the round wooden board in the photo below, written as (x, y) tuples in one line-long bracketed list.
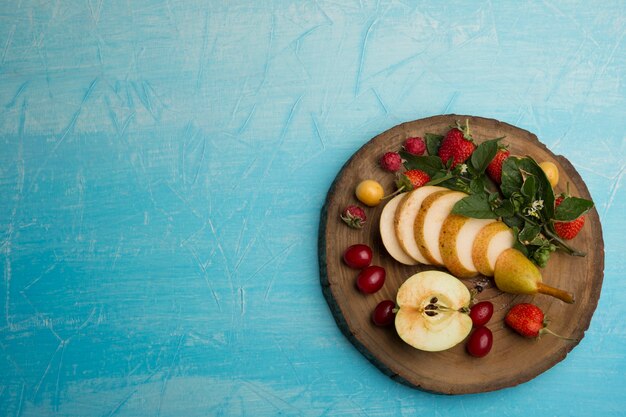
[(513, 359)]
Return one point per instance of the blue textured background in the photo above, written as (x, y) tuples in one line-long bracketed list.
[(162, 169)]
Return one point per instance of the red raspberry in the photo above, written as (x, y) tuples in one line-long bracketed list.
[(415, 146), (354, 216), (391, 161)]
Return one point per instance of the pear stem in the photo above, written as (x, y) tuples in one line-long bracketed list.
[(555, 292)]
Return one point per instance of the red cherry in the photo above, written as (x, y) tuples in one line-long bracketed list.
[(370, 279), (358, 256), (480, 342), (383, 314), (481, 313)]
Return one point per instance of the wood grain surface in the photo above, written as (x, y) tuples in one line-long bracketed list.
[(513, 359)]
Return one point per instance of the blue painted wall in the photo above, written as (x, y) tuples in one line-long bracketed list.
[(162, 168)]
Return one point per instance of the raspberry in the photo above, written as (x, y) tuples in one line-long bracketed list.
[(415, 146), (391, 161)]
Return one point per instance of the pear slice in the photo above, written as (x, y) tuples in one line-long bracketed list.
[(388, 232), (490, 242), (405, 219), (456, 241), (427, 227), (433, 311)]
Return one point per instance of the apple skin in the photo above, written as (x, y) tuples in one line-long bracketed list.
[(450, 324), (388, 232)]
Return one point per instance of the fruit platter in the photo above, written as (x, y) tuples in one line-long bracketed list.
[(459, 255)]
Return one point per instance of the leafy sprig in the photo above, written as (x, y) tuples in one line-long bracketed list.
[(524, 200)]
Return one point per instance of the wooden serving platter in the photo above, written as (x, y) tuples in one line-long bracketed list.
[(513, 359)]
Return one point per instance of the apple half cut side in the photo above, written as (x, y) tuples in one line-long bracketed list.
[(432, 311), (388, 232), (427, 227), (490, 242), (456, 241), (405, 219)]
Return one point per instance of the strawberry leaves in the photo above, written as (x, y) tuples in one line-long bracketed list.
[(572, 208), (433, 142), (483, 155)]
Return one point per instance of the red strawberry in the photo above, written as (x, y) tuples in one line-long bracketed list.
[(494, 169), (456, 145), (415, 146), (528, 320), (412, 179), (354, 216), (568, 230), (391, 161)]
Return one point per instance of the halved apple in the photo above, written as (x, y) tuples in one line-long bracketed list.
[(433, 311), (404, 220), (456, 241), (490, 242), (388, 232), (427, 227)]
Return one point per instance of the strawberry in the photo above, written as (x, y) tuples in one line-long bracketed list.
[(456, 145), (415, 146), (528, 320), (494, 169), (354, 216), (568, 230), (391, 161), (412, 179)]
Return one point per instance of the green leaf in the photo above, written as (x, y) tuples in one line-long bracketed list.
[(505, 209), (572, 208), (476, 206), (433, 142), (529, 233), (477, 185), (440, 178), (544, 189), (456, 184), (429, 164), (529, 188), (484, 154), (513, 222), (511, 177)]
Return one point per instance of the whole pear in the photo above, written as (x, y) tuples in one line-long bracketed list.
[(516, 274)]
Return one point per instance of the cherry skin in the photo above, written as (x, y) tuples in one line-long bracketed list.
[(358, 256), (480, 342), (481, 313), (383, 315), (370, 279)]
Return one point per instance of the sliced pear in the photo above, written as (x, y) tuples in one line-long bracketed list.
[(456, 241), (388, 232), (427, 227), (404, 220), (432, 311), (490, 242)]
